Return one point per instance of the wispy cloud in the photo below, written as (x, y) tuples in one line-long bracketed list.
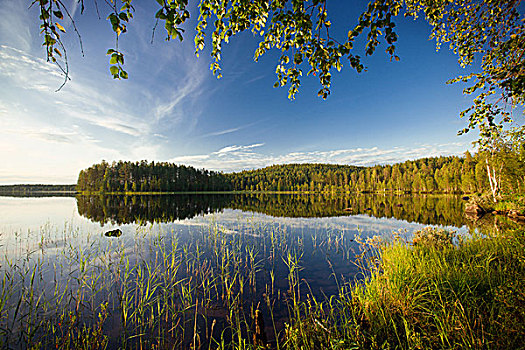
[(239, 157), (78, 101), (236, 150), (15, 25), (259, 77), (90, 119), (173, 109), (230, 130), (223, 132)]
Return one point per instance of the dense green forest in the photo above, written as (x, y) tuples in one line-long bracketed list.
[(449, 174), (149, 177)]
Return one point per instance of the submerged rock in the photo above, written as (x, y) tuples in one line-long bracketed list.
[(113, 233), (474, 210)]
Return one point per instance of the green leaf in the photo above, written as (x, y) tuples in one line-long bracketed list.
[(58, 14), (113, 70)]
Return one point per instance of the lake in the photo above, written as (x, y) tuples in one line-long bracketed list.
[(188, 266)]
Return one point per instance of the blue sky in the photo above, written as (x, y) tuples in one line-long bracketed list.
[(173, 109)]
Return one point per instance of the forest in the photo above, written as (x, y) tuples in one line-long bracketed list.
[(450, 174), (142, 176)]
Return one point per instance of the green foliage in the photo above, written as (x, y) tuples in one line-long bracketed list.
[(511, 202), (148, 177), (116, 61), (426, 175), (490, 30), (51, 13), (484, 201), (468, 295), (433, 237), (503, 151), (493, 31)]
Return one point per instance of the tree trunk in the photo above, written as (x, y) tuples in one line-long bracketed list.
[(493, 181)]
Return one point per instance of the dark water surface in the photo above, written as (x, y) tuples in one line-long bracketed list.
[(233, 254)]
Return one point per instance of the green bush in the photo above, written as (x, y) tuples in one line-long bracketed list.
[(433, 237)]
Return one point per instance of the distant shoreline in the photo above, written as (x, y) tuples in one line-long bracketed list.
[(43, 189), (38, 188)]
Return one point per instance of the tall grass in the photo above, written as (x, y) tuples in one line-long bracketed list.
[(210, 289), (438, 291)]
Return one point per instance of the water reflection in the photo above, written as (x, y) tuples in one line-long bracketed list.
[(423, 209), (221, 267), (149, 209)]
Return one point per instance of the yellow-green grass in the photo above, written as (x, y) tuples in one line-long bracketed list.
[(437, 292)]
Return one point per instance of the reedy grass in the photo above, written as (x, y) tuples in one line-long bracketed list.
[(434, 294), (150, 289), (213, 289)]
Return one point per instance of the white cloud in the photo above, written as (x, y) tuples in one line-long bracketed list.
[(239, 157), (78, 101), (90, 119), (234, 149), (223, 132)]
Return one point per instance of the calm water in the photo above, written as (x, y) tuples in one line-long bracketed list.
[(367, 215), (232, 237)]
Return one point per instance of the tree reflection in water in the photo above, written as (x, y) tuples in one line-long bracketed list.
[(444, 210)]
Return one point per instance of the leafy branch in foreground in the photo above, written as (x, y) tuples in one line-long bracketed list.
[(489, 31)]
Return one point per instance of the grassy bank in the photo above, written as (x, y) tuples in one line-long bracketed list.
[(439, 292)]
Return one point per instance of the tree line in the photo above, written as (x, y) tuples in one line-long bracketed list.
[(451, 174), (446, 174), (35, 190), (146, 176)]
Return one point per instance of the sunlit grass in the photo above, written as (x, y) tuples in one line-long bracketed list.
[(443, 295)]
